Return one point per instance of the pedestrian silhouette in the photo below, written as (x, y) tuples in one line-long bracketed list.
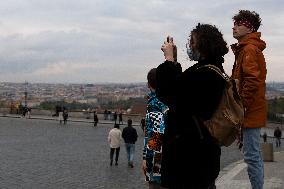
[(120, 121), (277, 135), (264, 137), (96, 120), (115, 117), (114, 139)]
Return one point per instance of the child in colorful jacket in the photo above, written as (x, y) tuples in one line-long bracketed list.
[(155, 126)]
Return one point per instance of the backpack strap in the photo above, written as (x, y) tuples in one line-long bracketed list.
[(234, 82), (198, 125), (196, 119), (217, 70)]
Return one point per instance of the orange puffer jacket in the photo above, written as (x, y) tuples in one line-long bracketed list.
[(250, 70)]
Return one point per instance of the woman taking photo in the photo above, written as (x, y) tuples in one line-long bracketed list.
[(191, 156)]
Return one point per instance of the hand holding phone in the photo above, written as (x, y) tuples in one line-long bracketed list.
[(169, 49), (171, 40)]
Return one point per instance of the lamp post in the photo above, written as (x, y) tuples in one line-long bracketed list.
[(26, 93)]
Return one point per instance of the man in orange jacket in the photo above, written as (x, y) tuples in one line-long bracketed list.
[(250, 69)]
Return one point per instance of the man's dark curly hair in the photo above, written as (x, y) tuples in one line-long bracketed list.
[(250, 16), (210, 41)]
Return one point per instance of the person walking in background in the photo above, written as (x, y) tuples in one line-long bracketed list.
[(65, 116), (29, 112), (195, 92), (60, 117), (115, 117), (114, 139), (278, 135), (129, 134), (105, 114), (24, 112), (264, 137), (96, 120), (109, 114), (250, 69), (120, 121), (154, 131), (143, 123)]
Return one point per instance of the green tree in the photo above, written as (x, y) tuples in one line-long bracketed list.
[(275, 108)]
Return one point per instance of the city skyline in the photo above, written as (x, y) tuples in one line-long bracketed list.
[(60, 41)]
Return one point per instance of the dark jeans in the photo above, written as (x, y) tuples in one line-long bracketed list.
[(65, 120), (116, 153), (130, 148), (278, 142)]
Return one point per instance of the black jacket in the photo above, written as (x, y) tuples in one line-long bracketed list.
[(277, 133), (191, 157), (129, 134)]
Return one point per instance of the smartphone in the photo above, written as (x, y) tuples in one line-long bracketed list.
[(168, 39)]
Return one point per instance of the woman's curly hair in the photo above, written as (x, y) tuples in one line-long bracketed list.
[(250, 16), (210, 41)]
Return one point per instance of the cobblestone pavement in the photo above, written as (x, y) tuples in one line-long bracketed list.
[(43, 154), (232, 154)]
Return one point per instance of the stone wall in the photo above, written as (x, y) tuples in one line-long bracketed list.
[(78, 114)]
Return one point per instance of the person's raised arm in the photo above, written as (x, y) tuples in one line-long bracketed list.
[(168, 74)]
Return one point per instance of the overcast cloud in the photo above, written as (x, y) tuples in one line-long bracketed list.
[(95, 41)]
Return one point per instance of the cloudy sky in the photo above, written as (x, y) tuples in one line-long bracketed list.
[(95, 41)]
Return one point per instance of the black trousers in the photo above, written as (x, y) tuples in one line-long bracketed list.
[(116, 153)]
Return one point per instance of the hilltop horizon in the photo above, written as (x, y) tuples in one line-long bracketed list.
[(87, 83), (105, 83)]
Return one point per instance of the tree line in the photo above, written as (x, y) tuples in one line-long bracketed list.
[(76, 106), (276, 110), (275, 106)]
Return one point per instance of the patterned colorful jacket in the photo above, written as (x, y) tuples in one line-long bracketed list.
[(155, 126)]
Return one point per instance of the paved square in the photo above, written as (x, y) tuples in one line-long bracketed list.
[(43, 154)]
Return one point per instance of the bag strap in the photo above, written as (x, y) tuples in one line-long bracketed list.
[(224, 75), (197, 123), (217, 70)]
